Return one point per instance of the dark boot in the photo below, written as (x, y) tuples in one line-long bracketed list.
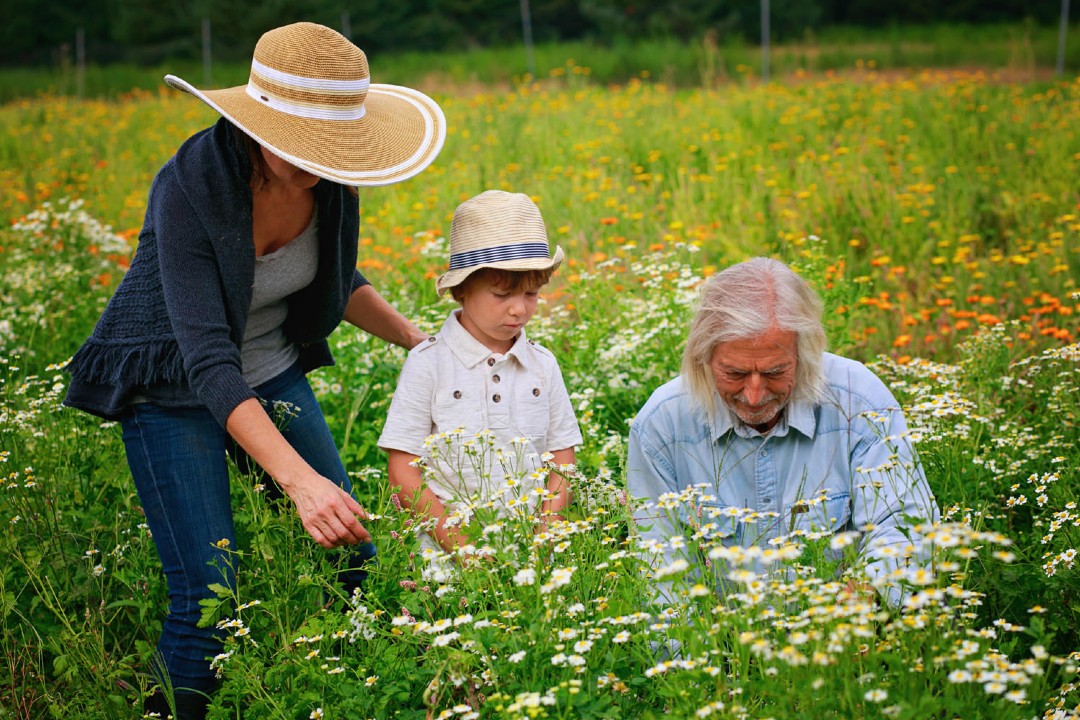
[(189, 705)]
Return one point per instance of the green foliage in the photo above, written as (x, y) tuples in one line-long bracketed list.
[(131, 31), (679, 47), (557, 624)]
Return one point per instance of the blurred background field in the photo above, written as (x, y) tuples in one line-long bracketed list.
[(946, 198), (923, 179), (1025, 51)]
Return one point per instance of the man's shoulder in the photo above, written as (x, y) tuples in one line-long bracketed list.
[(851, 381), (671, 400)]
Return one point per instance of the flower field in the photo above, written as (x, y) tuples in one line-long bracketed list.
[(938, 214)]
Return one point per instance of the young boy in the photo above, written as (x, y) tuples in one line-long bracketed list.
[(480, 373)]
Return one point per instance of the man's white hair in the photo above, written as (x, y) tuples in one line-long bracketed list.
[(744, 301)]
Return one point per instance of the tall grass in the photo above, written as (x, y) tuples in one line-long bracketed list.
[(937, 213)]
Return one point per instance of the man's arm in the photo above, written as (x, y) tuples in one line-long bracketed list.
[(888, 487), (648, 476)]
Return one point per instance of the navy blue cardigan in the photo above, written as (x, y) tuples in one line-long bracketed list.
[(174, 327)]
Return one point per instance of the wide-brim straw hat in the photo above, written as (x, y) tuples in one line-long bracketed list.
[(497, 229), (309, 100)]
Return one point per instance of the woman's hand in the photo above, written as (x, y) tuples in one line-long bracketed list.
[(329, 514)]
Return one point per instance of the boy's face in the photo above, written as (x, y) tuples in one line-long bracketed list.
[(494, 314)]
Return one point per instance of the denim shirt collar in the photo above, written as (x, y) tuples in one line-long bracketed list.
[(471, 352), (797, 415)]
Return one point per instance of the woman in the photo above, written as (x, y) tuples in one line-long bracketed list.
[(246, 262)]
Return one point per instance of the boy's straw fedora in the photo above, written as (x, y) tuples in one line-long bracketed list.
[(497, 229), (309, 100)]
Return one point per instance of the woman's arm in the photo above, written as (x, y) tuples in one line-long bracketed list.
[(414, 494), (328, 513), (371, 313)]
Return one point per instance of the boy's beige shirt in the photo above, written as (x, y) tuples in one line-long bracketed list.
[(453, 387)]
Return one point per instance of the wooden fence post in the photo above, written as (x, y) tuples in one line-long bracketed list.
[(80, 62), (765, 40), (526, 31), (206, 57), (1063, 30)]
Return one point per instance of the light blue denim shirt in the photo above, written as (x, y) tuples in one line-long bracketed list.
[(844, 464)]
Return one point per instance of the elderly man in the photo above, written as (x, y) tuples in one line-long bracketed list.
[(764, 434)]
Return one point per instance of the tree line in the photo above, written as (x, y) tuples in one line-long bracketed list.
[(136, 31)]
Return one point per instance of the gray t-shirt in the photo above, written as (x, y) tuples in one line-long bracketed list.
[(266, 352)]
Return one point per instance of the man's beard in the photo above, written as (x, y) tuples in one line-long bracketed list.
[(760, 414)]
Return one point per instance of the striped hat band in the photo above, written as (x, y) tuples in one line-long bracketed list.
[(499, 253), (315, 98)]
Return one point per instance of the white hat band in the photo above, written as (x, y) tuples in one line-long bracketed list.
[(315, 111), (305, 83)]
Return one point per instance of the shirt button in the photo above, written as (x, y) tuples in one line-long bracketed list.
[(431, 339), (494, 378), (491, 361), (457, 394), (767, 501), (764, 453), (496, 397), (536, 392)]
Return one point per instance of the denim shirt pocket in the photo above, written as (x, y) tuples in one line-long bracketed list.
[(719, 522), (829, 515)]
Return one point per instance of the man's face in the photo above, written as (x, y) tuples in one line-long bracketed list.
[(756, 376)]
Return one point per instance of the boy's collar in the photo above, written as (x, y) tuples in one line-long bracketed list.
[(471, 352)]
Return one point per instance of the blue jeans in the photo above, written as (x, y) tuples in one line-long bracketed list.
[(179, 460)]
